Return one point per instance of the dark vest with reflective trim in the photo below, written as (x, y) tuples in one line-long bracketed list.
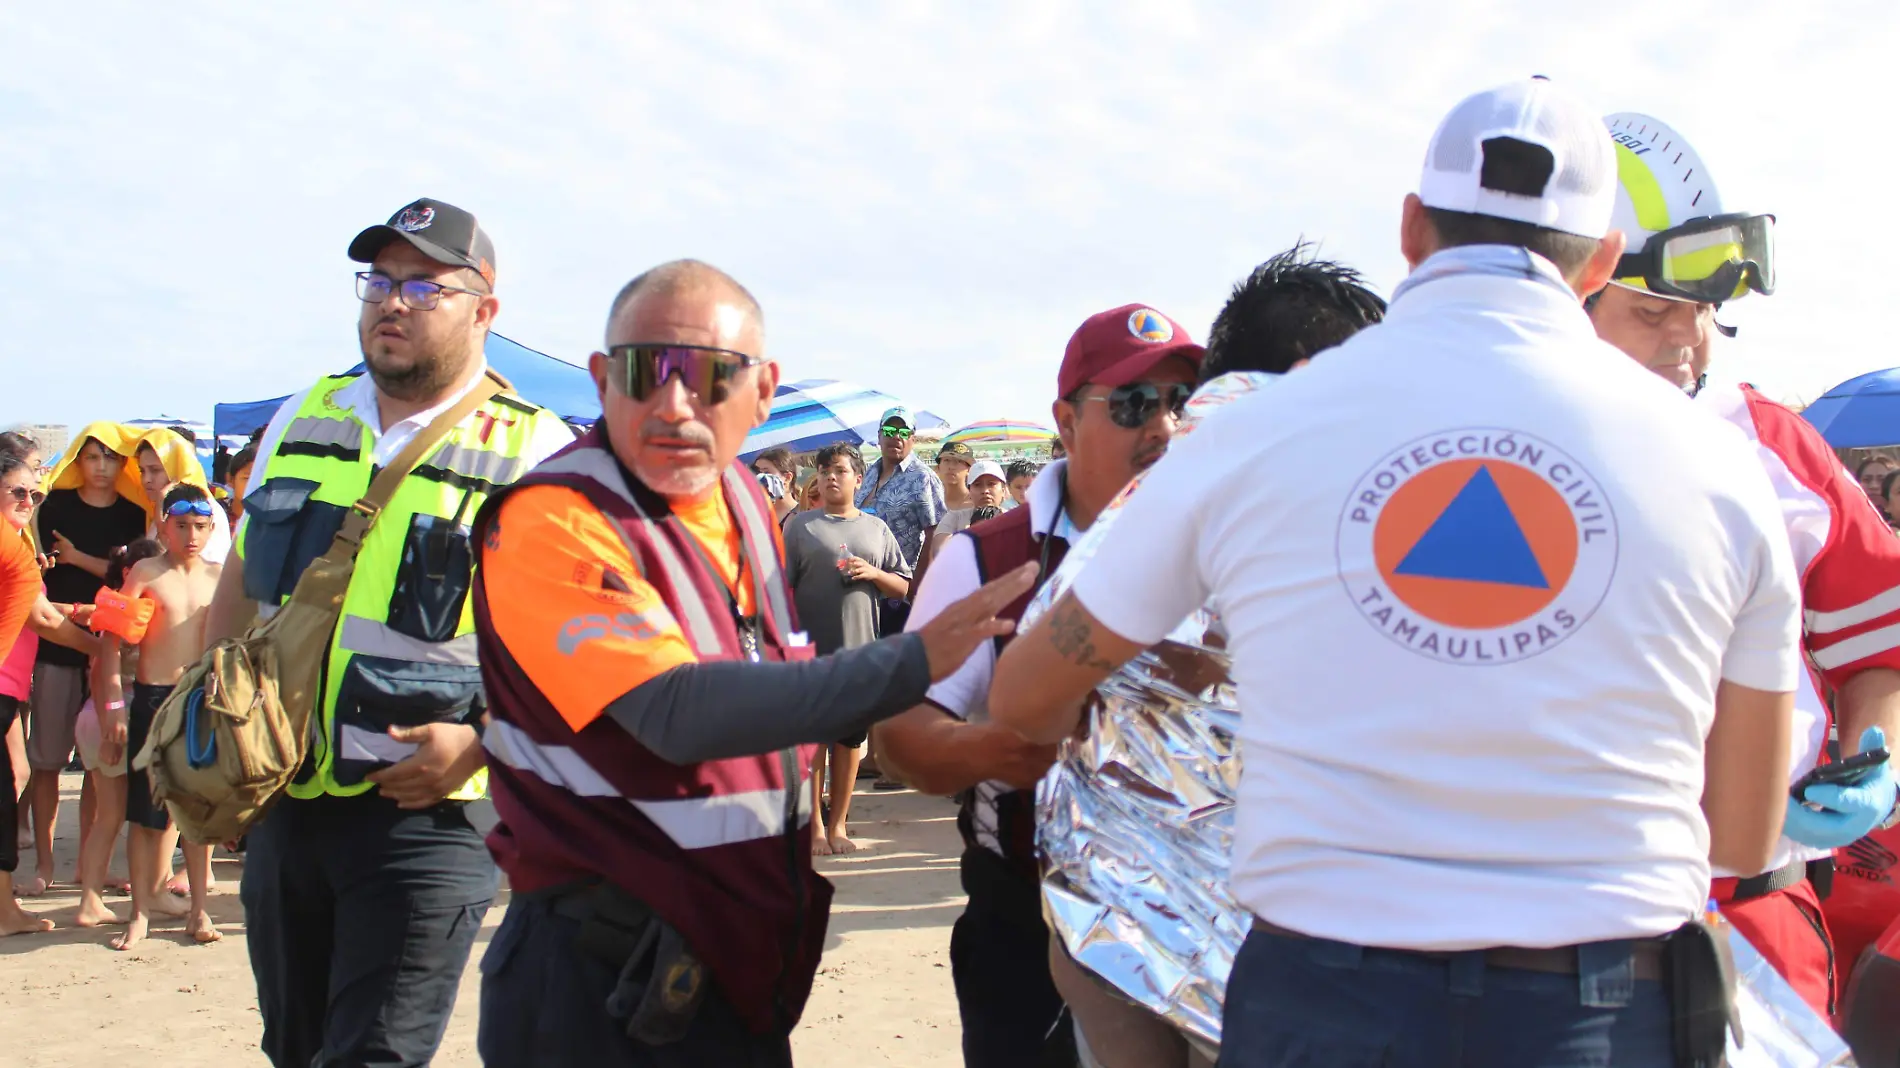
[(722, 849), (1002, 545)]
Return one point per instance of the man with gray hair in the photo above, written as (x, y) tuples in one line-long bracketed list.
[(655, 710)]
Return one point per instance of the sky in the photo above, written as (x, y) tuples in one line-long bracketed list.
[(926, 198)]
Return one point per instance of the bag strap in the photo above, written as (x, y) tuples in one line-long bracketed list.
[(362, 515)]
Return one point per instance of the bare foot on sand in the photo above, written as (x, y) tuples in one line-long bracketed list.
[(134, 932), (178, 885), (819, 846), (202, 930), (169, 907), (118, 884), (93, 911), (14, 920), (841, 843)]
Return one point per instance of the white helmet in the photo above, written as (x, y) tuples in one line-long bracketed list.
[(1682, 245)]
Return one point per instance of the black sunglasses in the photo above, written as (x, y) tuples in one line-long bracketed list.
[(26, 496), (638, 371), (1132, 405)]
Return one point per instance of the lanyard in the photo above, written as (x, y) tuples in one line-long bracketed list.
[(1048, 540), (747, 626)]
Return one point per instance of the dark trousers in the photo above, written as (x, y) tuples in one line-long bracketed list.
[(544, 1005), (999, 959), (360, 918), (1293, 1002), (9, 792)]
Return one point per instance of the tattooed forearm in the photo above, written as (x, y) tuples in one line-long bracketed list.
[(1074, 637)]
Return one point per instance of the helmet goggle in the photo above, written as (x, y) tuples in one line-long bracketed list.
[(1707, 260)]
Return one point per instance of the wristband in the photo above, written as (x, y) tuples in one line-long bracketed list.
[(114, 706)]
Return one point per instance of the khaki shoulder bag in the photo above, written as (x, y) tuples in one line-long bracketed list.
[(236, 729)]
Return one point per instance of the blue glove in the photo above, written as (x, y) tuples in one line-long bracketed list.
[(1848, 813)]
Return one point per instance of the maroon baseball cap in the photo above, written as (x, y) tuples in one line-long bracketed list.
[(1119, 346)]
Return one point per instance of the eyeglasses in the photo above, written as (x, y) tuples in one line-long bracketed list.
[(418, 294), (23, 495), (202, 508), (638, 371), (899, 432), (1132, 405)]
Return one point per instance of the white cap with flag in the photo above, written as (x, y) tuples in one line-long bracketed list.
[(1526, 151)]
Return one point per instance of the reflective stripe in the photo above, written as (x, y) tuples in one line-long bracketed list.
[(692, 823), (556, 765), (355, 743), (1858, 647), (596, 464), (1840, 619), (319, 431), (1645, 192), (485, 464), (767, 586), (725, 819), (699, 625), (371, 638)]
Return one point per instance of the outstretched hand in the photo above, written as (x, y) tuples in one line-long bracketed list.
[(955, 633)]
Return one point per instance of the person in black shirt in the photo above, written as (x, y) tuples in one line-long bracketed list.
[(80, 527)]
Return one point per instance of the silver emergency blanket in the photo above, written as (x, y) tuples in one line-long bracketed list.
[(1135, 822)]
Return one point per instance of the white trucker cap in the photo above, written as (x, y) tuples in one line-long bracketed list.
[(1477, 161), (985, 467)]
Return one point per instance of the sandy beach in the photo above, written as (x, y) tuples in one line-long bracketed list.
[(883, 996)]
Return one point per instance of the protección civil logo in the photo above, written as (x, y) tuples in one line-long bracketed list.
[(1481, 545)]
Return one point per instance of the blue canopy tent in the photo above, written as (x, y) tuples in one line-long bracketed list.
[(1860, 413), (817, 412), (541, 378)]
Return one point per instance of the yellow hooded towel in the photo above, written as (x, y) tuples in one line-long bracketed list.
[(181, 463)]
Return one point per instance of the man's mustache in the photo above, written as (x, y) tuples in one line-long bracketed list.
[(680, 433)]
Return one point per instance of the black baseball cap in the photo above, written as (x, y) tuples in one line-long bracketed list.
[(442, 232)]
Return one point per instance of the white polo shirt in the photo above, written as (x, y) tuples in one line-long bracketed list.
[(1481, 573)]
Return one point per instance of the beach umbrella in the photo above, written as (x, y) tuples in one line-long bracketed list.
[(1860, 413), (817, 412), (1000, 432)]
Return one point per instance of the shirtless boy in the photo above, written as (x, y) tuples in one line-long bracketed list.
[(181, 582)]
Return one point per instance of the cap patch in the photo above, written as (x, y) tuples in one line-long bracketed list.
[(414, 218), (1150, 325)]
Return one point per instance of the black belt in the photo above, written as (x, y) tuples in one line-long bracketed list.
[(1769, 882), (1646, 955)]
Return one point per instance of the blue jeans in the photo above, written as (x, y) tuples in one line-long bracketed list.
[(1293, 1002)]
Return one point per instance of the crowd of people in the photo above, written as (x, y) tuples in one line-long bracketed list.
[(1543, 646)]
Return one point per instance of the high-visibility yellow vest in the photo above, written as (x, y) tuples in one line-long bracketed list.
[(403, 653)]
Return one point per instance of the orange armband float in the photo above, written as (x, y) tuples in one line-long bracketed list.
[(127, 617)]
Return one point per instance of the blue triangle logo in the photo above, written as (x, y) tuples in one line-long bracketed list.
[(1476, 539)]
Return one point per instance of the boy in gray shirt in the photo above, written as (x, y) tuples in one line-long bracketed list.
[(841, 562)]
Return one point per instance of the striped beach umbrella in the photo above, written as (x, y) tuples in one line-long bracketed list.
[(1000, 432), (818, 412)]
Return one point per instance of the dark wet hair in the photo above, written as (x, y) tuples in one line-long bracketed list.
[(832, 452), (1290, 308), (183, 491), (119, 562), (1020, 469)]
